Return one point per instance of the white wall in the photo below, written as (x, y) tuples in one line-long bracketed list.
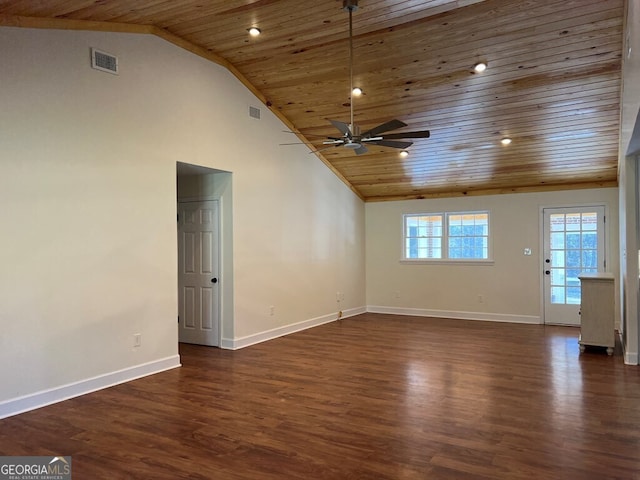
[(628, 182), (88, 192), (510, 287), (630, 76)]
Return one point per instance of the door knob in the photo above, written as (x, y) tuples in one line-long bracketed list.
[(547, 272), (547, 261), (214, 280)]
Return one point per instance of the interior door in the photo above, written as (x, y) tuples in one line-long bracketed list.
[(198, 292), (573, 243)]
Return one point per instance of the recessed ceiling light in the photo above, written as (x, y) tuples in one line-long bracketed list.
[(357, 91), (404, 154), (480, 67), (505, 141), (254, 31)]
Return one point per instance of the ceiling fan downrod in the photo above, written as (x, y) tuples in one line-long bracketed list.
[(350, 6)]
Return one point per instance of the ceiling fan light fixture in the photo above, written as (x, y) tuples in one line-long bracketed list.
[(356, 92), (404, 154), (480, 67), (505, 141), (254, 31)]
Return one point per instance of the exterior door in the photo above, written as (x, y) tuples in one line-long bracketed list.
[(573, 244), (198, 292)]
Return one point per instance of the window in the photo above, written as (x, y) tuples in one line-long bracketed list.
[(446, 236)]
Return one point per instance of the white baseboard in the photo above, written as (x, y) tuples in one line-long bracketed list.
[(630, 358), (236, 343), (487, 317), (58, 394)]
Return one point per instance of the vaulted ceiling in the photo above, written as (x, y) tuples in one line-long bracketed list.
[(552, 84)]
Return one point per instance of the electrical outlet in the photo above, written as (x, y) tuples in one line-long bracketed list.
[(137, 339), (272, 310), (338, 296), (480, 299)]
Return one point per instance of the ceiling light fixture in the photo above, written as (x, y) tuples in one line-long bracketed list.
[(480, 67), (404, 154), (505, 141), (254, 31), (356, 92)]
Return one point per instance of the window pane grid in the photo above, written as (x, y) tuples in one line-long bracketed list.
[(468, 235), (573, 249), (423, 236)]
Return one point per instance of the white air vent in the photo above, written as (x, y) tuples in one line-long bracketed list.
[(254, 112), (104, 61)]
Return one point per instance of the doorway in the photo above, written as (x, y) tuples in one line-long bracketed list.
[(196, 187), (573, 243)]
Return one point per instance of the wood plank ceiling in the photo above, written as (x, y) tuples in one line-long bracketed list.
[(552, 84)]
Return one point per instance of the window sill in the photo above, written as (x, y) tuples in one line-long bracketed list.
[(446, 261)]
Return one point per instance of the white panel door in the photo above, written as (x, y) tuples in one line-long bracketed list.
[(198, 292), (573, 244)]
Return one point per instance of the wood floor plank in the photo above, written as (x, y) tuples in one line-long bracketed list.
[(369, 397)]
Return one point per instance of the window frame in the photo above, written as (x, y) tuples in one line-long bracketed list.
[(445, 216)]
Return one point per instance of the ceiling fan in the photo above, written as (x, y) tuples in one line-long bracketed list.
[(351, 137)]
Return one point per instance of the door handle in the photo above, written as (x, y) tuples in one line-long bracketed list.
[(547, 272), (547, 261), (214, 280)]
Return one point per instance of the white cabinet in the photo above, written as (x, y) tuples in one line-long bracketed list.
[(597, 309)]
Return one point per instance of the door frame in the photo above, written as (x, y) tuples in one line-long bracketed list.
[(606, 233), (196, 183)]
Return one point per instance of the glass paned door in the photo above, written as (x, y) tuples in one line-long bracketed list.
[(574, 244)]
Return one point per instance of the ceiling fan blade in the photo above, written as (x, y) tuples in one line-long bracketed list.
[(308, 134), (385, 127), (392, 143), (325, 148), (418, 134), (343, 127), (360, 150)]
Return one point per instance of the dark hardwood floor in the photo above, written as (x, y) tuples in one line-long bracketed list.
[(369, 397)]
